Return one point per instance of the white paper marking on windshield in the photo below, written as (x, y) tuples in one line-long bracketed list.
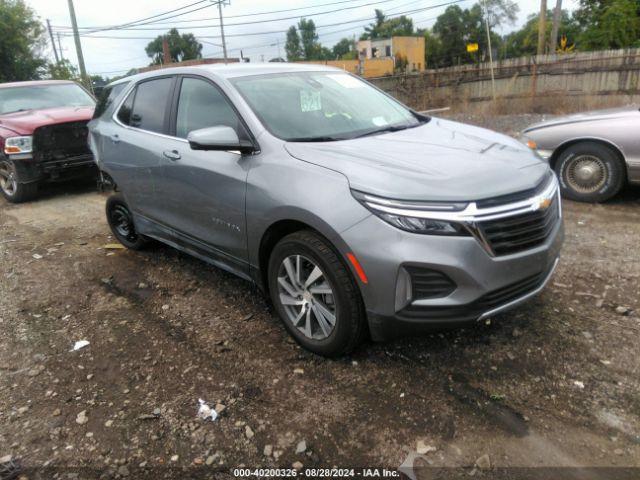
[(379, 121), (346, 81), (310, 101)]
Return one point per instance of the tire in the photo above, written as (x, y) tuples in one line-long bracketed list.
[(590, 172), (11, 187), (345, 303), (121, 223)]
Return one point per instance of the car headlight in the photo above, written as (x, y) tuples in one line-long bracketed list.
[(18, 145), (414, 216)]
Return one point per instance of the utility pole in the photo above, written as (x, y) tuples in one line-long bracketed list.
[(76, 37), (53, 43), (542, 27), (224, 43), (486, 23), (557, 13), (60, 47)]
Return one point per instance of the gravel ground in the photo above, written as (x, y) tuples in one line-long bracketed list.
[(554, 383)]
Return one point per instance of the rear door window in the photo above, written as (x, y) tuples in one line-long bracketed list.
[(150, 105), (124, 114)]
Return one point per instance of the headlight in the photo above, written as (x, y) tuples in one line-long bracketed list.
[(414, 216), (18, 145)]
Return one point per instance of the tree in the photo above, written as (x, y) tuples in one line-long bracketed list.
[(525, 41), (309, 39), (386, 28), (181, 47), (608, 24), (344, 49), (63, 70), (21, 42), (292, 46)]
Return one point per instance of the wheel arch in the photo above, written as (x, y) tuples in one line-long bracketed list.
[(280, 228), (574, 141)]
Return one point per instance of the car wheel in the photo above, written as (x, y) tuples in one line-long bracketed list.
[(121, 223), (316, 295), (11, 187), (590, 172)]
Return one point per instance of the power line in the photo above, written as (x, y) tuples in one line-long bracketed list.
[(123, 25), (229, 16), (397, 15), (269, 20)]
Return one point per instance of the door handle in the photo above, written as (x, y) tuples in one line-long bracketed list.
[(115, 138), (172, 154)]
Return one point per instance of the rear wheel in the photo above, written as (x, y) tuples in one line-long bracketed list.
[(316, 295), (121, 223), (11, 187), (590, 172)]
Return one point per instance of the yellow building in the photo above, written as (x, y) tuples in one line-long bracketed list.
[(406, 52), (368, 67)]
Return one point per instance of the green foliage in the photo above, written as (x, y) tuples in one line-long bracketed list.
[(181, 47), (21, 42), (292, 46), (609, 24), (63, 70), (345, 49), (385, 28), (525, 41), (304, 45)]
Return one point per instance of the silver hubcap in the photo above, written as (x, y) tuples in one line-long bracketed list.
[(307, 297), (586, 174), (8, 179)]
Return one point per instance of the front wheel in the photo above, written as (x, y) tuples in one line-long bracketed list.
[(121, 223), (315, 295), (590, 172), (11, 187)]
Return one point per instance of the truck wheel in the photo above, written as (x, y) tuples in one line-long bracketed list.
[(590, 172), (11, 187), (316, 295), (121, 223)]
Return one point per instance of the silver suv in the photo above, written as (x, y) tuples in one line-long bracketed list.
[(357, 215)]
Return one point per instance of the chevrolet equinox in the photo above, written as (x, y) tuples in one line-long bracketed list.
[(356, 215)]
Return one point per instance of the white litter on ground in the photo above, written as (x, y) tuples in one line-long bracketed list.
[(205, 411), (79, 344)]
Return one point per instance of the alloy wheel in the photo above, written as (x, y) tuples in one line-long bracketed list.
[(586, 174), (8, 182), (307, 297)]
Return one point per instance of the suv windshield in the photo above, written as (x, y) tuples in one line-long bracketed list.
[(322, 106), (36, 97)]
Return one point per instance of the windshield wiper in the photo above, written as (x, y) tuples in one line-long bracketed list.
[(388, 128), (325, 138)]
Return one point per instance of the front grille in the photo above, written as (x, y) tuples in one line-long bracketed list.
[(426, 283), (474, 310), (60, 141), (520, 232)]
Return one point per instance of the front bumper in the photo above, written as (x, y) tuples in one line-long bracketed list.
[(61, 168), (484, 285)]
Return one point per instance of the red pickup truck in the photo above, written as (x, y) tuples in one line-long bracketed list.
[(43, 135)]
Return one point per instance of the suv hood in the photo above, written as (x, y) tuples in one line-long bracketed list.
[(24, 123), (595, 115), (438, 161)]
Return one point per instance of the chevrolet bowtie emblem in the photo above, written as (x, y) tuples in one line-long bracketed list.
[(544, 204)]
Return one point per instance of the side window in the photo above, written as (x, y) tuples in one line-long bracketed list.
[(150, 103), (109, 94), (202, 105), (124, 114)]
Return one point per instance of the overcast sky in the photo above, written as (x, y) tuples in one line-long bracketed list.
[(111, 57)]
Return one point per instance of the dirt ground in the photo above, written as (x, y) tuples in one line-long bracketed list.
[(555, 383)]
